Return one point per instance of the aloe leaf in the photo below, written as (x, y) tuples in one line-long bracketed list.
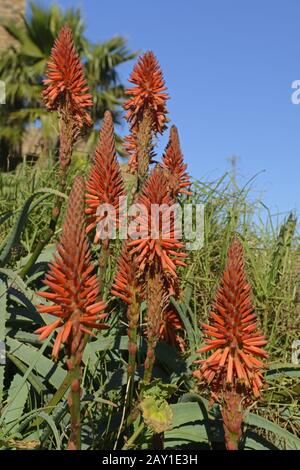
[(32, 379), (188, 425), (291, 440), (3, 306), (253, 441), (17, 397), (53, 373), (18, 283), (282, 370), (5, 216), (50, 421)]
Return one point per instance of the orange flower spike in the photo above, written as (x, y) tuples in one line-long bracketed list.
[(236, 341), (148, 93), (156, 302), (74, 290), (126, 287), (125, 284), (105, 184), (170, 329), (161, 247), (146, 112), (66, 89), (173, 162)]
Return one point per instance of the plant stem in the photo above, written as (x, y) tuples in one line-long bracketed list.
[(145, 147), (155, 300), (133, 318), (158, 441), (74, 405), (134, 436), (149, 362), (232, 414)]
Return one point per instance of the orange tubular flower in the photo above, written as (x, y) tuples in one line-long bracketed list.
[(163, 247), (179, 180), (74, 291), (233, 333), (105, 184), (148, 93), (65, 86), (170, 328)]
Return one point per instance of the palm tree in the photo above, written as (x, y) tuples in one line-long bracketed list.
[(22, 68)]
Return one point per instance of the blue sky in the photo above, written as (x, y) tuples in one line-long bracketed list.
[(229, 66)]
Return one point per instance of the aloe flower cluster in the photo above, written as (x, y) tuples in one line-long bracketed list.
[(178, 178), (148, 93), (166, 248), (74, 297), (146, 112), (72, 286), (171, 329), (126, 287), (105, 184), (66, 89), (234, 369), (66, 92), (148, 267), (157, 258)]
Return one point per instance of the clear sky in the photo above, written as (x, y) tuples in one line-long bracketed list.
[(229, 66)]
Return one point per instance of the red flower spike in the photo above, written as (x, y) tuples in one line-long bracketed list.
[(105, 184), (125, 286), (147, 97), (163, 249), (125, 282), (66, 89), (147, 93), (172, 161), (233, 333), (170, 329), (74, 290), (157, 301)]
